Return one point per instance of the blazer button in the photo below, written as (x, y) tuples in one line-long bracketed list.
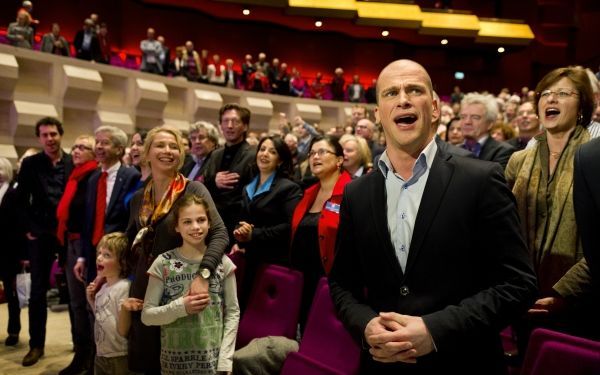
[(321, 237), (324, 259), (404, 291)]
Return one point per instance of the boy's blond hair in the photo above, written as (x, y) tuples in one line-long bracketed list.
[(117, 243)]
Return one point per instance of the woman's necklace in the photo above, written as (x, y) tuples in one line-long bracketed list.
[(555, 155)]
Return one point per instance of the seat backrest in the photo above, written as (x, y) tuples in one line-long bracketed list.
[(325, 339), (565, 358), (541, 336), (274, 305)]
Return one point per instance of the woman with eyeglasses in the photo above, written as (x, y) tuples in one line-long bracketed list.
[(316, 217), (541, 178), (70, 213)]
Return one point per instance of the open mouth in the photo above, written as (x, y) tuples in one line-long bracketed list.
[(552, 113), (99, 268), (405, 119)]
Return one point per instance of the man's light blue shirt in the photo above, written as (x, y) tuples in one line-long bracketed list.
[(404, 198)]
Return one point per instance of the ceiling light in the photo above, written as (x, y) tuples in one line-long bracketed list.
[(501, 49), (246, 12), (444, 41), (318, 23), (385, 33)]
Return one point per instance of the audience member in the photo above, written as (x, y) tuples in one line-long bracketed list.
[(371, 92), (71, 218), (103, 40), (357, 155), (447, 301), (317, 88), (477, 114), (42, 180), (191, 63), (541, 178), (55, 43), (229, 169), (528, 124), (258, 81), (164, 58), (268, 203), (247, 69), (297, 84), (337, 85), (305, 134), (216, 71), (282, 82), (13, 250), (454, 134), (87, 46), (365, 129), (151, 50), (20, 33), (273, 73), (203, 69), (107, 188), (359, 112), (212, 318), (176, 67), (315, 219), (456, 96), (502, 132), (231, 76), (96, 22), (355, 90), (262, 63), (111, 305), (204, 137), (150, 232), (27, 6), (586, 201)]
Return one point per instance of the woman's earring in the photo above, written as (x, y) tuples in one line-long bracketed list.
[(580, 119)]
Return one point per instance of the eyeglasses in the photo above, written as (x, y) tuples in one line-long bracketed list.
[(321, 152), (81, 148), (234, 121), (561, 94)]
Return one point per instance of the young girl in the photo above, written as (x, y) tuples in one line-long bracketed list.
[(111, 305), (197, 331)]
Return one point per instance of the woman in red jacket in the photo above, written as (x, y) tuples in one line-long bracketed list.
[(316, 217)]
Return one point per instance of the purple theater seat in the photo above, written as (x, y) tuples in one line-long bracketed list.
[(538, 348), (563, 358), (326, 347), (274, 305)]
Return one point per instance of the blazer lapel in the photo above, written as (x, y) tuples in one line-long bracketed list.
[(378, 205), (435, 189)]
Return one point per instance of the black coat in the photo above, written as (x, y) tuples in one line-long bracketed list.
[(586, 199), (467, 275)]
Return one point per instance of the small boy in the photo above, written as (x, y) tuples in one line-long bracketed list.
[(111, 305)]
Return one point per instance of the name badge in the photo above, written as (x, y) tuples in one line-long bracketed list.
[(333, 207)]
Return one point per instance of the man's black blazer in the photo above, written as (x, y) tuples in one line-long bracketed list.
[(468, 272), (38, 211), (499, 152), (117, 214), (586, 198)]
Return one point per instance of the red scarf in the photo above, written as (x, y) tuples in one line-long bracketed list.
[(62, 211)]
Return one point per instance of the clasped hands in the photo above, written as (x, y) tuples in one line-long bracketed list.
[(398, 338)]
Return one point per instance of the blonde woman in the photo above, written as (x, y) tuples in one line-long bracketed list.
[(357, 155)]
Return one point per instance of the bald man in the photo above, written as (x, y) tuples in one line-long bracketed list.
[(444, 267)]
